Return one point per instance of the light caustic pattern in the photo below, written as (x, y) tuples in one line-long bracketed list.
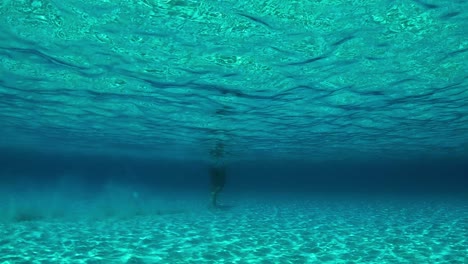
[(257, 232)]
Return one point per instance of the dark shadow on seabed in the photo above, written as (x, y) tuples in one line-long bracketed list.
[(222, 207)]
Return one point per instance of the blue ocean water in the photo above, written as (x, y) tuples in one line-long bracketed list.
[(340, 128)]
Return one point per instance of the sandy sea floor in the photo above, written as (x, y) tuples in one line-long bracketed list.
[(250, 231)]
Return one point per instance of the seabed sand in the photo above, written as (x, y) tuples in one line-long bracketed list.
[(247, 230)]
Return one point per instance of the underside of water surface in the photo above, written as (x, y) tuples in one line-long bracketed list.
[(295, 79)]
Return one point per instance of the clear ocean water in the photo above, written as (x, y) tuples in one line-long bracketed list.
[(340, 128)]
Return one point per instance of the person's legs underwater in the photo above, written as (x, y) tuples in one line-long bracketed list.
[(218, 180)]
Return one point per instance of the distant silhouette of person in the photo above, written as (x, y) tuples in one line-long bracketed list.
[(217, 173), (218, 180)]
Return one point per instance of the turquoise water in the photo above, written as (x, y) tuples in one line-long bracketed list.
[(343, 126), (275, 79)]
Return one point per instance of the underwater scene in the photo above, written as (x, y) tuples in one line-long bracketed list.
[(222, 131)]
